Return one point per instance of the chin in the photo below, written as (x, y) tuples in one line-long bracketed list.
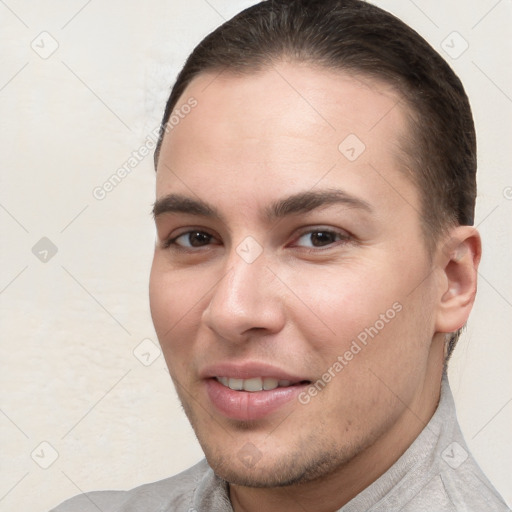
[(270, 475), (291, 469)]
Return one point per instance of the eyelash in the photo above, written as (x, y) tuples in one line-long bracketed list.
[(343, 238), (172, 240)]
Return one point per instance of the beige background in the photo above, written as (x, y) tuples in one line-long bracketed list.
[(70, 325)]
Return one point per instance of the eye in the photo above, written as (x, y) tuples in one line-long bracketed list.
[(191, 239), (320, 238)]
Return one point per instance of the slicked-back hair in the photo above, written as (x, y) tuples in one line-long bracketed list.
[(439, 151)]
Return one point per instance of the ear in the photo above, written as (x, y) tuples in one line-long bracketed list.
[(458, 258)]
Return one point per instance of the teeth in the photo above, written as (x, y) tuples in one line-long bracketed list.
[(236, 384), (254, 384), (270, 383)]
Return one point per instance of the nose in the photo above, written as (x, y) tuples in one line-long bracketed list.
[(245, 302)]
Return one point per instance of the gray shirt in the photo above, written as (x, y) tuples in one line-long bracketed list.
[(437, 473)]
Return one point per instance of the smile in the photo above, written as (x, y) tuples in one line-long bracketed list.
[(255, 384), (254, 398)]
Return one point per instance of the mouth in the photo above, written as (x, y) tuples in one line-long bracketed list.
[(248, 397), (251, 390), (256, 384)]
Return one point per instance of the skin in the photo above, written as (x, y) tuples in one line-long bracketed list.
[(252, 141)]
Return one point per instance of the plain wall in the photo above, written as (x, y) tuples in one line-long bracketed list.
[(70, 324)]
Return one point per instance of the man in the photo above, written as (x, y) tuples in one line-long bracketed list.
[(315, 263)]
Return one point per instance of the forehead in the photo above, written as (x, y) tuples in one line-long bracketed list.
[(286, 125)]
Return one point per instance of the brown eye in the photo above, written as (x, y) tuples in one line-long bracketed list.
[(192, 239), (320, 238)]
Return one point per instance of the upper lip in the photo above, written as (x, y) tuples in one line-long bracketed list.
[(248, 370)]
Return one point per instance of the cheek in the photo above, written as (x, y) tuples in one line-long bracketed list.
[(159, 299), (335, 304), (369, 302), (172, 302), (172, 311)]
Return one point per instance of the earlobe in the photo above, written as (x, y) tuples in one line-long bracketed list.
[(458, 257)]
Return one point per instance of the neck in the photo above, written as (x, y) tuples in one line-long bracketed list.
[(332, 491)]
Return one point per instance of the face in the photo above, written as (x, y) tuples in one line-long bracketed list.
[(291, 288)]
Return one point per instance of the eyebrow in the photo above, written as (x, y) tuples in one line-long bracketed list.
[(305, 202), (302, 202), (177, 203)]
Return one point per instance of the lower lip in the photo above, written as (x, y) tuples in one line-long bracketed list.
[(250, 405)]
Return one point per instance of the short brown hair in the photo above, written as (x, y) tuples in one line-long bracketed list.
[(358, 37)]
